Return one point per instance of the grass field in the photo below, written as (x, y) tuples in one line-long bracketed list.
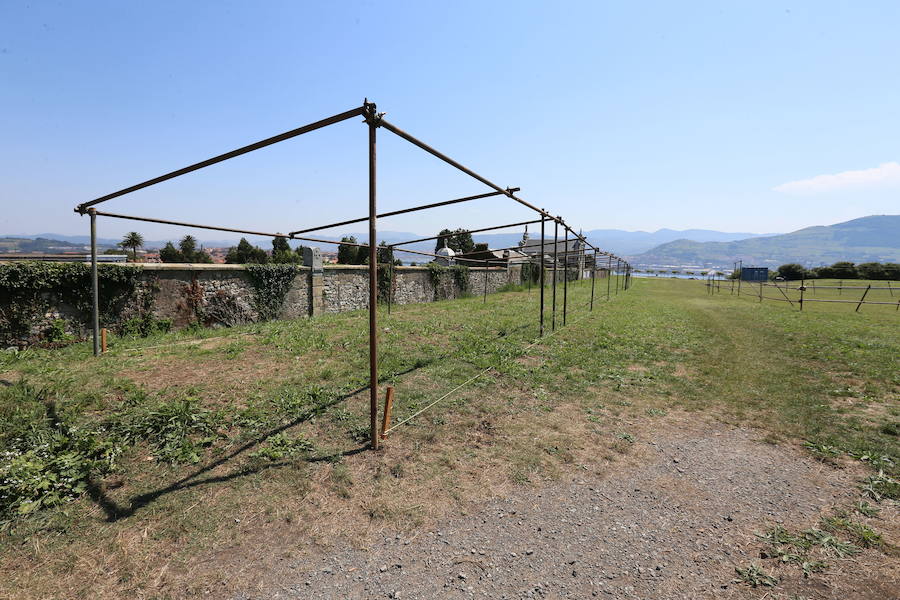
[(156, 468)]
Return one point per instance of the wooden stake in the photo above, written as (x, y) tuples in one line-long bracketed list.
[(388, 405), (103, 341)]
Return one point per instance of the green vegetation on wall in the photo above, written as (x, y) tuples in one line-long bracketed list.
[(29, 289), (271, 284)]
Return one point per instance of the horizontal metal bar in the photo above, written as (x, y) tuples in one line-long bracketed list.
[(436, 237), (416, 142), (194, 225), (401, 211), (81, 208)]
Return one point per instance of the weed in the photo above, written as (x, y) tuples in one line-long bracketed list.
[(657, 412), (830, 543), (177, 429), (812, 566), (280, 446), (754, 576), (881, 486), (626, 436), (866, 509)]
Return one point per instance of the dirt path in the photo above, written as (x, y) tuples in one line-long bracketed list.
[(673, 525)]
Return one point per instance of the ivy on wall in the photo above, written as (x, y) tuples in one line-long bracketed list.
[(271, 284), (29, 289), (437, 275)]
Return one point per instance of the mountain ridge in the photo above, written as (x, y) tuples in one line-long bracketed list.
[(874, 238)]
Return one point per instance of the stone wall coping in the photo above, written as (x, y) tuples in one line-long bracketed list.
[(230, 267)]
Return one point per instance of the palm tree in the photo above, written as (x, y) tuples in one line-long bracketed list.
[(132, 240)]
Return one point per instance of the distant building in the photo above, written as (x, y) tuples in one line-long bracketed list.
[(754, 274)]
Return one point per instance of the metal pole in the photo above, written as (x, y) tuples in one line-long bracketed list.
[(372, 120), (95, 287), (608, 274), (593, 277), (542, 275), (390, 270), (565, 274), (618, 268), (802, 289), (555, 249)]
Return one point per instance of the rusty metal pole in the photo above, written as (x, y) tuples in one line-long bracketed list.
[(618, 266), (541, 262), (593, 277), (555, 261), (565, 274), (372, 120), (608, 274), (95, 286)]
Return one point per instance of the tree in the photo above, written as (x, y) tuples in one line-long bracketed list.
[(346, 252), (170, 254), (246, 253), (792, 271), (458, 240), (871, 270), (132, 240), (844, 270), (188, 247), (282, 253), (480, 247)]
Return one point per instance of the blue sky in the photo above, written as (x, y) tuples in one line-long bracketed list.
[(738, 116)]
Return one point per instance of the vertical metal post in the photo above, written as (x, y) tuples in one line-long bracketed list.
[(542, 274), (593, 277), (802, 289), (371, 119), (565, 274), (618, 268), (608, 274), (390, 270), (555, 261), (95, 286), (486, 263)]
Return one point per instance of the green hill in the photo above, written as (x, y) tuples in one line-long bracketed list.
[(868, 239), (42, 245)]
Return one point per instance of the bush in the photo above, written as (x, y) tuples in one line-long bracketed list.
[(46, 460), (792, 271)]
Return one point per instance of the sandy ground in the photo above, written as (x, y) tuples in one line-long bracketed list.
[(672, 524)]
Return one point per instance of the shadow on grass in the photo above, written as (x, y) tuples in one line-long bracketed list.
[(115, 512)]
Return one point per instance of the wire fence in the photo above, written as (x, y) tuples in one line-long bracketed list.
[(803, 292)]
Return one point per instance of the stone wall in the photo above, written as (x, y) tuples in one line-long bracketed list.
[(225, 295)]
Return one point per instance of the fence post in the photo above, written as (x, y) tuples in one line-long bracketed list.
[(863, 297), (555, 261), (372, 119), (388, 407), (565, 274), (542, 275), (593, 277), (95, 286), (802, 289)]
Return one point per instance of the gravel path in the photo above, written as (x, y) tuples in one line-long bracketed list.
[(673, 526)]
